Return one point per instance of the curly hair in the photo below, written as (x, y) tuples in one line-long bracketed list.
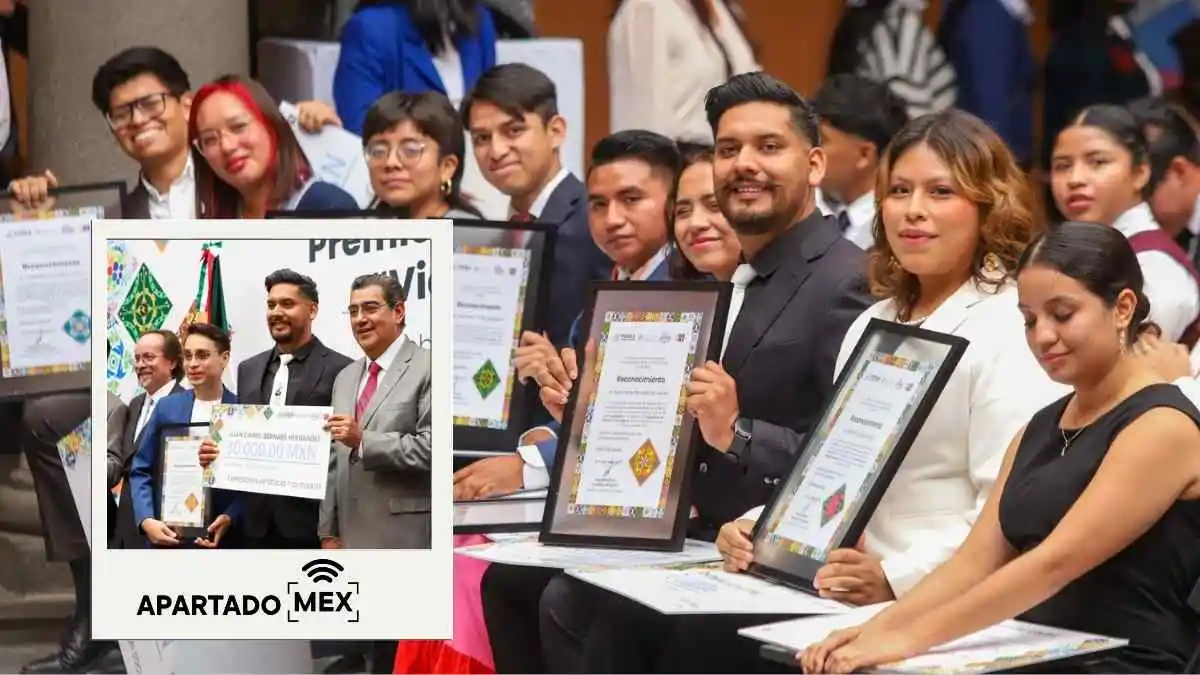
[(985, 172)]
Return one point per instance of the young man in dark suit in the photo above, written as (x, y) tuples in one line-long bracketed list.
[(298, 370), (516, 132), (158, 363)]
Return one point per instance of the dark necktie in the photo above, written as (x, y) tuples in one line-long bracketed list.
[(843, 219)]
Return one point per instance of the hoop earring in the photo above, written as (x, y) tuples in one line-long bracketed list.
[(447, 187)]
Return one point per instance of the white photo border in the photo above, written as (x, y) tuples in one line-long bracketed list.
[(404, 594)]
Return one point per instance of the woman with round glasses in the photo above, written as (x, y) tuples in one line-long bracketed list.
[(252, 162), (415, 150)]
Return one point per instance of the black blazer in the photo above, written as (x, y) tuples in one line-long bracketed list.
[(127, 534), (782, 353), (577, 259), (293, 517)]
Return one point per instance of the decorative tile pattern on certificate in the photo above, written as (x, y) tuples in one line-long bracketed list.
[(489, 295), (881, 398), (627, 444), (45, 292)]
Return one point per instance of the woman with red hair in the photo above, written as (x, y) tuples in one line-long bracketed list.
[(252, 162)]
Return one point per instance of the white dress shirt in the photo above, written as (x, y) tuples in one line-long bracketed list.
[(943, 483), (861, 212), (543, 198), (534, 473), (449, 68), (385, 364), (662, 61), (180, 200), (202, 411), (152, 399), (1174, 297)]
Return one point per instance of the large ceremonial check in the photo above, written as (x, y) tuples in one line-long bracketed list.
[(881, 399), (273, 450), (622, 473)]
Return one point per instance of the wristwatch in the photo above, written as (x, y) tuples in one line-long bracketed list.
[(741, 438)]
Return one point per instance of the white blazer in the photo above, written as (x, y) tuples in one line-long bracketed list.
[(1174, 298), (950, 469), (662, 61)]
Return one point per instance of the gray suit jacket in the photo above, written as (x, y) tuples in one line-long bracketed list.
[(117, 413), (380, 498)]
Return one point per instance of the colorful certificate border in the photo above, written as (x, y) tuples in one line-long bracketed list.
[(92, 212), (696, 319), (502, 252), (928, 370)]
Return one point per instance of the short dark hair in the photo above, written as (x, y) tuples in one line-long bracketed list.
[(433, 115), (657, 150), (1124, 129), (1100, 258), (1168, 135), (760, 87), (308, 287), (132, 63), (393, 293), (515, 88), (861, 107), (172, 350), (215, 333), (680, 267)]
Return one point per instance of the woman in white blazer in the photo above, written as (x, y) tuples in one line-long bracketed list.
[(664, 56), (955, 213)]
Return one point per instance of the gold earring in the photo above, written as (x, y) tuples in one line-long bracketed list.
[(447, 187), (991, 263), (892, 263), (1123, 336)]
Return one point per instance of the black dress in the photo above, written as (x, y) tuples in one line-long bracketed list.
[(1141, 594)]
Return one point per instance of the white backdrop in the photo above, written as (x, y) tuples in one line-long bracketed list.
[(175, 266)]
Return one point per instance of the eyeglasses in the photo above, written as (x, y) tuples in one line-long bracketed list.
[(152, 107), (366, 309), (408, 152), (210, 139)]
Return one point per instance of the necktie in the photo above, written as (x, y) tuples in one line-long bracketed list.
[(364, 399), (279, 387), (516, 238), (843, 219), (742, 277)]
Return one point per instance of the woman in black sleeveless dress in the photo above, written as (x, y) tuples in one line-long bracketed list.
[(1095, 521)]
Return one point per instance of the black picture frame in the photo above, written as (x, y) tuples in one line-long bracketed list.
[(560, 528), (21, 387), (498, 516), (192, 430), (773, 560)]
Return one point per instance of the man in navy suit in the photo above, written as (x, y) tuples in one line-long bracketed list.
[(630, 181), (516, 133)]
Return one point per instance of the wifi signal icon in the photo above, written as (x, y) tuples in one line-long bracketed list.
[(323, 569)]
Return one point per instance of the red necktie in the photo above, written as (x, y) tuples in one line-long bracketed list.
[(516, 238), (364, 399)]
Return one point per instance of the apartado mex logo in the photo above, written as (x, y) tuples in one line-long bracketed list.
[(321, 591)]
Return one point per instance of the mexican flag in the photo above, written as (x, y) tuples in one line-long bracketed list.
[(209, 305)]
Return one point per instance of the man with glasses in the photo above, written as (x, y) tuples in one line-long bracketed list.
[(144, 96)]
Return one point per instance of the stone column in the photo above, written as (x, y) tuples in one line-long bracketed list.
[(69, 39)]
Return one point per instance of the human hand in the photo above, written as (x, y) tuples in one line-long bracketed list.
[(215, 532), (873, 647), (32, 193), (313, 116), (491, 477), (813, 659), (712, 400), (733, 541), (536, 359), (159, 533), (852, 576), (208, 452), (345, 430), (1169, 360), (332, 542)]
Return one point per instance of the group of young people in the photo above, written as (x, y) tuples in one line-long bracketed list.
[(1056, 478)]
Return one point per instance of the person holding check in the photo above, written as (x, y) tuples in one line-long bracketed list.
[(205, 355)]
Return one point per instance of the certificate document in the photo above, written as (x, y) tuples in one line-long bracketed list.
[(272, 450), (45, 318), (633, 418), (489, 302), (183, 490), (852, 445)]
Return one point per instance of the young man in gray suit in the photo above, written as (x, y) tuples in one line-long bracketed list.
[(381, 430)]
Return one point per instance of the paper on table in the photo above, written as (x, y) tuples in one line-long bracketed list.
[(336, 156), (706, 590), (534, 554), (1004, 646)]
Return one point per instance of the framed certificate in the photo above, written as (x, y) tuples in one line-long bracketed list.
[(622, 473), (881, 399), (180, 483), (45, 289), (502, 276)]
